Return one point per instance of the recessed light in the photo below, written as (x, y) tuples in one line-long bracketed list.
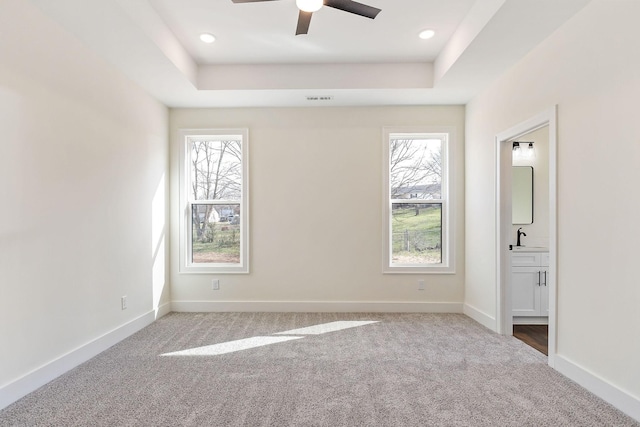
[(426, 34), (207, 37)]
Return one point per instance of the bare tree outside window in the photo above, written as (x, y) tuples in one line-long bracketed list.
[(216, 172), (415, 168), (415, 177), (216, 175)]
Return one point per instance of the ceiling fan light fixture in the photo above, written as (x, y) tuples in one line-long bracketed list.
[(426, 34), (309, 5), (207, 37)]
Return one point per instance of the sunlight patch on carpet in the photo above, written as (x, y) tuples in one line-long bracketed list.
[(327, 327), (248, 343), (231, 346)]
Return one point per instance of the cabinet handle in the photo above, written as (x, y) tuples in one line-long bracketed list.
[(545, 278), (538, 278)]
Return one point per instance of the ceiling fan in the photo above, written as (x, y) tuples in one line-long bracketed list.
[(307, 7)]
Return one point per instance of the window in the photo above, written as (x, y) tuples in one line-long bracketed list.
[(214, 201), (418, 210)]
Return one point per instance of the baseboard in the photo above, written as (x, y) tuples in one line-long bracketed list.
[(620, 399), (162, 310), (317, 306), (483, 318), (35, 379)]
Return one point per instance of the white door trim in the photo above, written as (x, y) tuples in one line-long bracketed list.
[(503, 222)]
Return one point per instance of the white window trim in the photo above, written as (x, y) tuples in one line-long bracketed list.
[(185, 204), (448, 203)]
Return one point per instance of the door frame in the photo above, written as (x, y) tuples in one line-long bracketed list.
[(503, 222)]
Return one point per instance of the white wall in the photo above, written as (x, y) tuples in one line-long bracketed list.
[(590, 69), (316, 210), (83, 157), (538, 232)]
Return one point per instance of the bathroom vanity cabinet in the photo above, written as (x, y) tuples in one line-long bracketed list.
[(530, 287)]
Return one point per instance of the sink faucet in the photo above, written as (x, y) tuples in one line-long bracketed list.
[(520, 233)]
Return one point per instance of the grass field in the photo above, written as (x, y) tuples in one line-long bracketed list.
[(417, 234), (224, 246)]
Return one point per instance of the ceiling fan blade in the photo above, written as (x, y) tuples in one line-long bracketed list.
[(249, 1), (304, 19), (353, 7)]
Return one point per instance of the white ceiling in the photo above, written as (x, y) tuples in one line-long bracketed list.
[(263, 32), (257, 60)]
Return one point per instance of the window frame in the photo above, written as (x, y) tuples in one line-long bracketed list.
[(447, 201), (186, 203)]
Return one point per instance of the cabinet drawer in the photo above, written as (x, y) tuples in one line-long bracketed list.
[(544, 259), (525, 259)]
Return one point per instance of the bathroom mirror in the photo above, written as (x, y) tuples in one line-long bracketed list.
[(522, 195)]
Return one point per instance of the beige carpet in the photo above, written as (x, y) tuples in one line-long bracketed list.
[(272, 369)]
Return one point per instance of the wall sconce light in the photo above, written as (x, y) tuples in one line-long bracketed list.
[(523, 150), (516, 149)]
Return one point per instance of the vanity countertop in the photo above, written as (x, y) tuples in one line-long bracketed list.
[(529, 249)]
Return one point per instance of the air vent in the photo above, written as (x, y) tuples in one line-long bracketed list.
[(319, 98)]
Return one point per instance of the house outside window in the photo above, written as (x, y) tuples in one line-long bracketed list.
[(214, 224), (418, 208)]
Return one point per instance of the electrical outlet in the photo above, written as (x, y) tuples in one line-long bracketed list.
[(215, 284), (421, 285), (123, 302)]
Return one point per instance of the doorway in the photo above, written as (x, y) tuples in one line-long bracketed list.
[(505, 228)]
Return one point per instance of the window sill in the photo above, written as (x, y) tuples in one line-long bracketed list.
[(221, 269), (418, 270)]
